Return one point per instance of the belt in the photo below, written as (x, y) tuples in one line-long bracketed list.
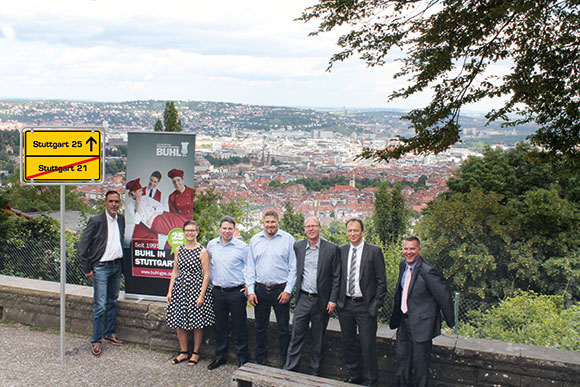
[(309, 294), (271, 287), (230, 289), (112, 262), (355, 299)]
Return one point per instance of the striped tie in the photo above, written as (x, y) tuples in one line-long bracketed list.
[(352, 272)]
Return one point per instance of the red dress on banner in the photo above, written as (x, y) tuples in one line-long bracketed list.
[(182, 202)]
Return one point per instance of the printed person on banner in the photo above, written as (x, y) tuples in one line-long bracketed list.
[(181, 200)]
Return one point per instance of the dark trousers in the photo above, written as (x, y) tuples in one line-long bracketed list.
[(226, 303), (307, 311), (411, 357), (360, 351), (266, 300)]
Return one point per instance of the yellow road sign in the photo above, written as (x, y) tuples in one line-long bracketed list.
[(62, 155)]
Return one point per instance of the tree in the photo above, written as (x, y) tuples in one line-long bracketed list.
[(292, 222), (391, 216), (449, 47), (171, 118), (510, 220), (158, 126)]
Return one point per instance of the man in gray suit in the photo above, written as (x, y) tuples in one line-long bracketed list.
[(420, 296), (362, 291), (318, 278)]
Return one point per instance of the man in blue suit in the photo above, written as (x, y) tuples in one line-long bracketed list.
[(420, 296), (101, 255)]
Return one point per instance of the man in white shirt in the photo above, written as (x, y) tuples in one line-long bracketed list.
[(363, 288), (101, 255)]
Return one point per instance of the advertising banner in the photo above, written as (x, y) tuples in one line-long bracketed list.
[(159, 199)]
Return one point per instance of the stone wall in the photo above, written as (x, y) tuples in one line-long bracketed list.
[(456, 361)]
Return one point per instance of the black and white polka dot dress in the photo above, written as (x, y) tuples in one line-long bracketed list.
[(182, 312)]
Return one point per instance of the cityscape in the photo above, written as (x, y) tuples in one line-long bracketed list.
[(268, 150)]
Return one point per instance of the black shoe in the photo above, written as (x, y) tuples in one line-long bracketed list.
[(215, 364), (353, 380)]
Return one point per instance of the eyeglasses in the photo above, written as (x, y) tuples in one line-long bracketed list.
[(314, 226), (194, 230)]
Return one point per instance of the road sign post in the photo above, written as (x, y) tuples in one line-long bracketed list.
[(61, 156)]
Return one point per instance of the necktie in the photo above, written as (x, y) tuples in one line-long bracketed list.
[(408, 275), (352, 272), (150, 193)]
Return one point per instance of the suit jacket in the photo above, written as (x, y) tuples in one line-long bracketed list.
[(94, 240), (327, 273), (428, 296), (372, 277)]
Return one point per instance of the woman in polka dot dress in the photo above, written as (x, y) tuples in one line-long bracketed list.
[(189, 304)]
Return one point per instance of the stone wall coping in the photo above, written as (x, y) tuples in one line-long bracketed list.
[(469, 346)]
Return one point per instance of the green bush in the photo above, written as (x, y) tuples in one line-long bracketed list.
[(528, 318)]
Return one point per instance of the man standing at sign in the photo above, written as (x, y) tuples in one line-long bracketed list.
[(181, 200), (363, 288), (317, 285), (101, 256), (228, 257), (271, 275), (420, 296)]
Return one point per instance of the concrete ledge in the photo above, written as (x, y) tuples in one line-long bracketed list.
[(456, 361)]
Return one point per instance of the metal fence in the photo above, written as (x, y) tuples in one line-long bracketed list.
[(41, 260)]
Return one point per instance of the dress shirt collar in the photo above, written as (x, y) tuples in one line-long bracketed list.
[(312, 248)]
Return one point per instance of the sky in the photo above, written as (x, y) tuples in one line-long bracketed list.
[(242, 51)]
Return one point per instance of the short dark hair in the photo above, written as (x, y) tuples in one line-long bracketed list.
[(412, 238), (271, 213), (358, 220), (190, 223), (111, 192), (227, 219), (156, 174)]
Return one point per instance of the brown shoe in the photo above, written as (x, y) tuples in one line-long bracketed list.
[(97, 349), (113, 339)]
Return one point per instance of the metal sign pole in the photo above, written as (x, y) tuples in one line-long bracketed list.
[(62, 274)]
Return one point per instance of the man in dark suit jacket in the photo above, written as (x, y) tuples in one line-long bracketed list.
[(101, 255), (317, 281), (362, 291), (420, 296)]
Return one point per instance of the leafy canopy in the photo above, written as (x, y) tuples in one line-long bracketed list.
[(510, 220), (450, 47)]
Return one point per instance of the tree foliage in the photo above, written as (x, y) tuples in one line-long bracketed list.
[(391, 217), (292, 222), (528, 318), (510, 220), (158, 126), (450, 47), (171, 118)]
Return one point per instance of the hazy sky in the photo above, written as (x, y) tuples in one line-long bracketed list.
[(246, 51)]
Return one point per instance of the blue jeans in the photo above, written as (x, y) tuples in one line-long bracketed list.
[(266, 300), (106, 284)]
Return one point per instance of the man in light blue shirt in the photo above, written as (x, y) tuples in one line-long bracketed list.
[(270, 278), (228, 257)]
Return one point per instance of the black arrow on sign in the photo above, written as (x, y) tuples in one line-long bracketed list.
[(91, 141)]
